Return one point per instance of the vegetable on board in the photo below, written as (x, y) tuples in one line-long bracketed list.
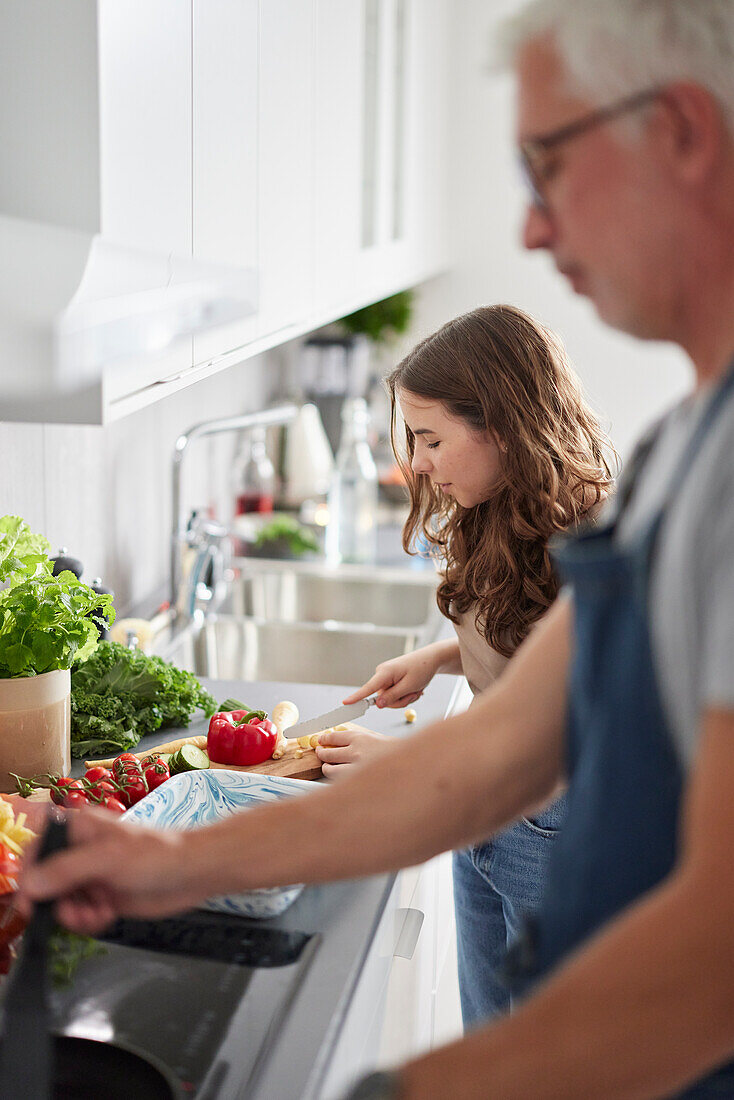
[(241, 737), (168, 747)]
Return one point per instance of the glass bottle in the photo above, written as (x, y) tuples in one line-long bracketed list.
[(254, 476), (351, 532)]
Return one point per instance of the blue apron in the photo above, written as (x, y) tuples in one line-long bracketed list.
[(620, 836)]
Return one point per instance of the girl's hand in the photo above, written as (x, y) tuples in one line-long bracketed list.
[(401, 681), (337, 749)]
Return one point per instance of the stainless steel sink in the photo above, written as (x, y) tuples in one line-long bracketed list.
[(311, 593), (228, 647), (305, 623)]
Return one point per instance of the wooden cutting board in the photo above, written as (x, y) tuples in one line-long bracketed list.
[(289, 766)]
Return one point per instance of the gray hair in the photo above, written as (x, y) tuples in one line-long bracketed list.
[(613, 48)]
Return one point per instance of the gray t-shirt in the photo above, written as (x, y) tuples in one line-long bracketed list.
[(692, 581)]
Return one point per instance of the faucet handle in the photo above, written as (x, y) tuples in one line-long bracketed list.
[(202, 530)]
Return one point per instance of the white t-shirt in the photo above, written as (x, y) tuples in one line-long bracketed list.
[(692, 576)]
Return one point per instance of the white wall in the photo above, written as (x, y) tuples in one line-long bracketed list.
[(628, 382), (104, 493)]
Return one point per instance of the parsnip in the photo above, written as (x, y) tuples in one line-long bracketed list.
[(284, 714)]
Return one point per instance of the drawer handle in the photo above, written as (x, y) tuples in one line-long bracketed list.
[(410, 930)]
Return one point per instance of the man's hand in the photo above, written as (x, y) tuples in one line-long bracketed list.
[(111, 869)]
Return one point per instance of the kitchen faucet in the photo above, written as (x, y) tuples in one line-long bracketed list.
[(202, 537)]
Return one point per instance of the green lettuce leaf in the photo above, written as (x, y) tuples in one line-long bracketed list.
[(45, 621), (21, 551)]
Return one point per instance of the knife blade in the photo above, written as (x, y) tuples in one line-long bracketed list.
[(336, 717)]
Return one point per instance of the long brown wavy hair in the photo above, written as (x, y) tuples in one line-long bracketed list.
[(497, 369)]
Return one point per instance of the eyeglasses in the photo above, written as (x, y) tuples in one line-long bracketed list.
[(534, 151)]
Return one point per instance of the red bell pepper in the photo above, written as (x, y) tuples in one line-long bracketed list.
[(241, 737)]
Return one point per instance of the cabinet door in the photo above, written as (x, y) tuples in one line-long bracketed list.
[(284, 176), (380, 141), (357, 1048), (423, 192), (145, 149), (338, 141), (225, 149), (407, 1024)]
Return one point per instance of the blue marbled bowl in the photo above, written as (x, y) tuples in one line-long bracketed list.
[(196, 798)]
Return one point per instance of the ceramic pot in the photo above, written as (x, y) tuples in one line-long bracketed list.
[(35, 726)]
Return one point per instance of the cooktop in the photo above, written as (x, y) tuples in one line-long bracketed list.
[(200, 997)]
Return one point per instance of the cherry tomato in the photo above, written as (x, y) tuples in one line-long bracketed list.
[(97, 792), (134, 788), (114, 804), (125, 765), (94, 775), (126, 758), (105, 787), (156, 773), (75, 800), (62, 782)]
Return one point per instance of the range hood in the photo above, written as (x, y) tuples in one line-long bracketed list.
[(73, 304), (99, 276)]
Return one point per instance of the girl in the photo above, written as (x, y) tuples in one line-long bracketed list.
[(502, 451)]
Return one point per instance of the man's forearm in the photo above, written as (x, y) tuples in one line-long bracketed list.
[(645, 1008), (420, 798), (448, 785)]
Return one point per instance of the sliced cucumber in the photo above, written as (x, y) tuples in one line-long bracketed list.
[(188, 758), (232, 704)]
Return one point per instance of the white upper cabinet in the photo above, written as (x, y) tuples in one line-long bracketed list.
[(225, 130), (303, 140), (145, 106), (380, 127), (284, 166), (339, 63)]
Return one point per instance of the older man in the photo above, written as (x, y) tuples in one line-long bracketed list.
[(627, 687)]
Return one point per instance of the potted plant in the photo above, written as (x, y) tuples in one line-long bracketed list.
[(282, 537), (381, 322), (44, 627)]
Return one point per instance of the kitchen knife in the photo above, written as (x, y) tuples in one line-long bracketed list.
[(332, 718)]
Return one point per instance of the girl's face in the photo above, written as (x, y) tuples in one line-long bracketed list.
[(462, 462)]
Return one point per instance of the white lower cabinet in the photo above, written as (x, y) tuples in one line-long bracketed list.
[(395, 1012)]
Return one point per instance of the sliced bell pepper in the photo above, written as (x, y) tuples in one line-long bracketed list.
[(241, 737)]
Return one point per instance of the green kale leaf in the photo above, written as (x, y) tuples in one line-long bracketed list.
[(120, 694)]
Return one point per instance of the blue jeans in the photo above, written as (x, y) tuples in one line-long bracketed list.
[(495, 883)]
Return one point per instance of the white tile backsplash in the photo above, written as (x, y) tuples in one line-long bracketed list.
[(104, 493)]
